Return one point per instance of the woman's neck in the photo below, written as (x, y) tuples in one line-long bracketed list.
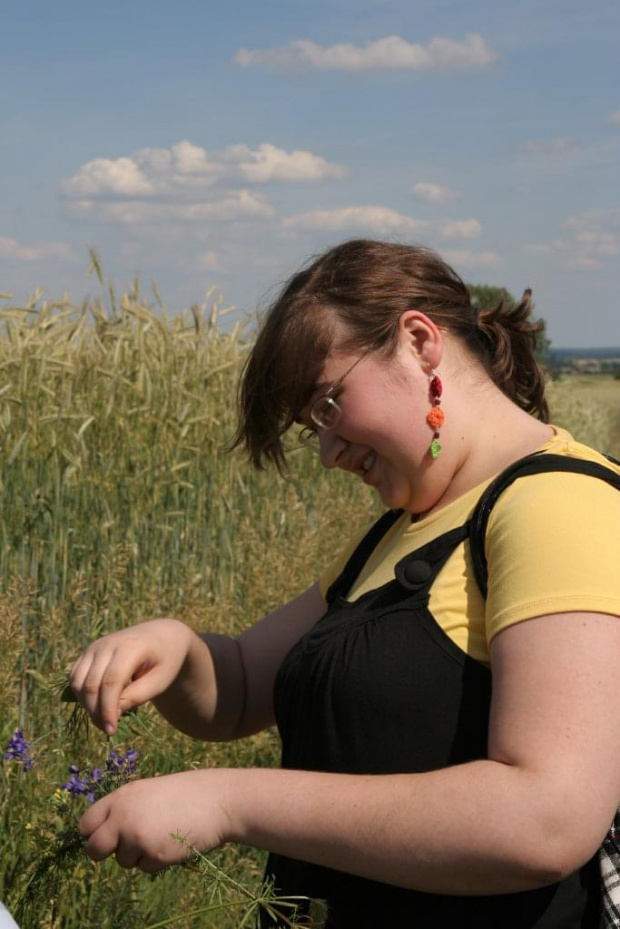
[(488, 438)]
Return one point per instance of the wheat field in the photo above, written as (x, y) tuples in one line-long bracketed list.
[(120, 502)]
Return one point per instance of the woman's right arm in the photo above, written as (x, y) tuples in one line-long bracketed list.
[(212, 687)]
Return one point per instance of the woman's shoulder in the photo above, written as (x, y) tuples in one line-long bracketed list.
[(553, 541), (563, 443), (566, 499), (546, 490)]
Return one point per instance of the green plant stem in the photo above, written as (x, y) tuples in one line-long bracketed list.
[(203, 909)]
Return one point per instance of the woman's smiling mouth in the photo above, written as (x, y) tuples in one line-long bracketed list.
[(367, 464), (368, 461)]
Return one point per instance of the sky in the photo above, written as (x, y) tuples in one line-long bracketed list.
[(205, 144)]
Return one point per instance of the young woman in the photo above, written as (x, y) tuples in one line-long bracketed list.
[(448, 760)]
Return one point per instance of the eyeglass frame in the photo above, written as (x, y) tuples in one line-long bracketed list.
[(309, 436)]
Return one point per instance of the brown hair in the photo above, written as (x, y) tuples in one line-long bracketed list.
[(365, 286)]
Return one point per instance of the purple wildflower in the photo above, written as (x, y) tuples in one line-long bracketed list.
[(18, 750), (97, 783), (80, 783), (122, 764), (95, 776), (75, 785)]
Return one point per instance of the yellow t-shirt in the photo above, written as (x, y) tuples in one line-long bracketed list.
[(552, 546)]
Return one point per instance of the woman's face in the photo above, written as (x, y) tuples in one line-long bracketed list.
[(382, 434)]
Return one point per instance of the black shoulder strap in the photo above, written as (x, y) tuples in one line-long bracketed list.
[(362, 553), (532, 464)]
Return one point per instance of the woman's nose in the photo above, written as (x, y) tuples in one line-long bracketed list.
[(331, 445)]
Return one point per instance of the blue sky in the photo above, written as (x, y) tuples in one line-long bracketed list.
[(203, 143)]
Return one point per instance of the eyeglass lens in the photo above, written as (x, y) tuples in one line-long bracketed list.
[(325, 413)]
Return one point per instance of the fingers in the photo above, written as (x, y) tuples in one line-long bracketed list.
[(132, 855), (99, 680), (102, 690), (96, 688), (104, 840), (93, 821), (143, 688), (99, 825), (129, 667)]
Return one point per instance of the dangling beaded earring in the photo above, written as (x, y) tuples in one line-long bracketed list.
[(435, 416)]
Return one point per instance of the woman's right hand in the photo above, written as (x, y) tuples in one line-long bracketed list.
[(127, 668)]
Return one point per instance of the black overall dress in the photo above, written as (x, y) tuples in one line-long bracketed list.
[(377, 687)]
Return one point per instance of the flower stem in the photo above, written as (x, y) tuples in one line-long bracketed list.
[(173, 920)]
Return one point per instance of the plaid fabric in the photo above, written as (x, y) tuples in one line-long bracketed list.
[(609, 861)]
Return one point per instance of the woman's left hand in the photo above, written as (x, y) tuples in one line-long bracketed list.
[(137, 823)]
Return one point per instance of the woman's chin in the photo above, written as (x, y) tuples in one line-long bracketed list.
[(391, 499), (394, 495)]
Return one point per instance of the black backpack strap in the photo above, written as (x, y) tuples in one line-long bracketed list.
[(361, 554), (537, 463)]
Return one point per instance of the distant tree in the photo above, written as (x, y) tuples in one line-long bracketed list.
[(485, 297)]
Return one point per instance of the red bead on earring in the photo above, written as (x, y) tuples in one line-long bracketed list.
[(435, 416)]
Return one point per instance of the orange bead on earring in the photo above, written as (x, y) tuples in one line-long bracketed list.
[(435, 416)]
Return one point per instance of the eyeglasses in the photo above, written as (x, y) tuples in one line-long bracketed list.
[(325, 412)]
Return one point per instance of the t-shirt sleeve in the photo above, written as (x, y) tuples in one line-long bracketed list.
[(336, 567), (553, 546)]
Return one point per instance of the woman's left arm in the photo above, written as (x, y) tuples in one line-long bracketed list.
[(535, 810)]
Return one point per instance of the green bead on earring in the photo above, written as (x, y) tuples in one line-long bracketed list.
[(435, 448)]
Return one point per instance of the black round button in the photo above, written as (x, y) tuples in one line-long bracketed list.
[(417, 572)]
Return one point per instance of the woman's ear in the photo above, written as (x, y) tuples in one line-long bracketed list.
[(419, 334)]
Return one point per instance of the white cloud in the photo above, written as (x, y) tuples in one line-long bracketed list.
[(189, 171), (584, 263), (376, 219), (599, 243), (614, 118), (184, 158), (12, 248), (122, 177), (461, 229), (235, 205), (469, 259), (379, 220), (594, 221), (597, 235), (556, 247), (550, 146), (434, 193), (270, 163), (592, 238), (387, 54)]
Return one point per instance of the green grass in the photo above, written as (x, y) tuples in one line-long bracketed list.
[(120, 503), (590, 408)]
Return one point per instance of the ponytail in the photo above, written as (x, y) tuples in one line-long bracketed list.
[(509, 338)]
